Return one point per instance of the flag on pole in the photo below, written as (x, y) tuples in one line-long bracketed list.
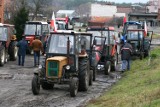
[(124, 20), (145, 29), (53, 23)]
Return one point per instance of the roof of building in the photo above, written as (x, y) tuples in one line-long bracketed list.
[(65, 11), (143, 14), (124, 10)]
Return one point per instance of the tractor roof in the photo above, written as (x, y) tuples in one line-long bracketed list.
[(71, 32), (133, 23), (36, 22)]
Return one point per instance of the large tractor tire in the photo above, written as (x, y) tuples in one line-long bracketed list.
[(115, 62), (74, 86), (83, 74), (35, 85), (6, 56), (46, 86), (13, 51), (107, 67), (2, 56)]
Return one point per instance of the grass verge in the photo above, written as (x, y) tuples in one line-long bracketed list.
[(140, 87)]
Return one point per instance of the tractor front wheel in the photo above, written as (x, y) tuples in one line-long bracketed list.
[(74, 86), (83, 74), (35, 85), (91, 77), (107, 67), (94, 73)]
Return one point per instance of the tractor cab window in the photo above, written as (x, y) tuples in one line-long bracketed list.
[(134, 35), (95, 33), (86, 42), (3, 34), (32, 29), (45, 29), (58, 44)]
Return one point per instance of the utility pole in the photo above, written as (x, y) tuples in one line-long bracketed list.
[(1, 11)]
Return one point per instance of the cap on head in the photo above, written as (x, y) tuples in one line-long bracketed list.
[(13, 37)]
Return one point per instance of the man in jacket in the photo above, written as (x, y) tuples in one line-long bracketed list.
[(37, 46), (22, 44), (126, 53)]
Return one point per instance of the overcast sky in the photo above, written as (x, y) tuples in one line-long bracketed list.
[(127, 1)]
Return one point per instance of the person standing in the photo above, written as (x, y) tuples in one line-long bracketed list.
[(37, 46), (126, 52), (22, 47)]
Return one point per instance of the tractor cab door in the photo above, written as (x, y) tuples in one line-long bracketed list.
[(147, 40)]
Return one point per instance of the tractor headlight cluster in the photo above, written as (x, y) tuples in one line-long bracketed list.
[(68, 67)]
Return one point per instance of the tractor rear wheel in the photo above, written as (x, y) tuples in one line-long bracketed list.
[(13, 51), (35, 85), (107, 67), (46, 86), (2, 56), (83, 74), (6, 56), (73, 86), (115, 62)]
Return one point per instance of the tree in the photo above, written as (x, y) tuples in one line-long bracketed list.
[(19, 20)]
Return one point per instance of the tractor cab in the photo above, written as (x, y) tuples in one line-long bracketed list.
[(67, 61), (33, 29)]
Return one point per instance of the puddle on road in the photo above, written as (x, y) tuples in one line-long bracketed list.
[(22, 77), (6, 76)]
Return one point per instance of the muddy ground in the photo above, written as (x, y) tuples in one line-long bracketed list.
[(15, 88)]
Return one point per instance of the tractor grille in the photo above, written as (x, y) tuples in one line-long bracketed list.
[(53, 68)]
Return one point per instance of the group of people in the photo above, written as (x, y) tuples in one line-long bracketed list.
[(37, 47)]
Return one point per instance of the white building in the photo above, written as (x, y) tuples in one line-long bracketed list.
[(103, 10), (63, 13)]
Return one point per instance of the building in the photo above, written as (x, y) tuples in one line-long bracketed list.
[(64, 13)]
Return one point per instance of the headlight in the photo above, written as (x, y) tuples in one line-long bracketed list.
[(28, 41), (68, 67), (40, 66)]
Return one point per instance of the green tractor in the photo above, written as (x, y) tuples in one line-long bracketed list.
[(67, 61)]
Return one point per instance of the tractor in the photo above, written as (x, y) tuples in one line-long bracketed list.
[(67, 61), (108, 54), (134, 32), (8, 49), (33, 29)]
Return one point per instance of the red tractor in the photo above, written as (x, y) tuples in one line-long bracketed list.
[(33, 29), (107, 54), (8, 49)]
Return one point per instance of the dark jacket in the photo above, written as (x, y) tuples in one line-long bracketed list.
[(22, 44), (126, 51)]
